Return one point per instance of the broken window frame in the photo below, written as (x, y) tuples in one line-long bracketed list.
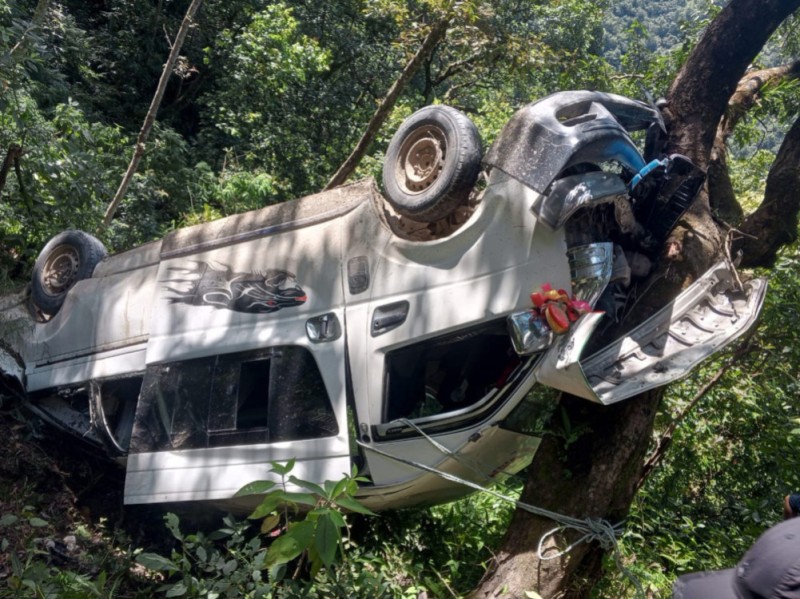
[(396, 426), (199, 395)]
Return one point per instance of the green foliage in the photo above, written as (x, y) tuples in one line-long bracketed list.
[(298, 526), (299, 549), (318, 535), (39, 566), (224, 563), (443, 550), (732, 459), (267, 63), (662, 24), (748, 175)]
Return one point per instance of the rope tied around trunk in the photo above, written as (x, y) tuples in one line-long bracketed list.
[(597, 530)]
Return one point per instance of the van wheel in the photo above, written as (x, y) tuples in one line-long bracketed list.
[(432, 163), (67, 258)]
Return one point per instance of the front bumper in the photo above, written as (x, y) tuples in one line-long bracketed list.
[(703, 319)]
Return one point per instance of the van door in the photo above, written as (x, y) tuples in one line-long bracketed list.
[(245, 366), (429, 344)]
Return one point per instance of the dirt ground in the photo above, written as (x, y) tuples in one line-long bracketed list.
[(61, 506)]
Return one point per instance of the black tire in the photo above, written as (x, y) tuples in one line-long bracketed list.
[(67, 258), (432, 163)]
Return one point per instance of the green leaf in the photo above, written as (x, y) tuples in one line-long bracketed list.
[(338, 518), (8, 520), (257, 487), (282, 469), (266, 507), (314, 488), (153, 561), (37, 522), (277, 572), (339, 489), (327, 539), (353, 505), (177, 590), (173, 524), (301, 498), (291, 544), (269, 523), (230, 566), (532, 595)]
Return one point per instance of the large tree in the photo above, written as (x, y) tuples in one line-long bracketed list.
[(603, 468)]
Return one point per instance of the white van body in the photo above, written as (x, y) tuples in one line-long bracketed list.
[(316, 330)]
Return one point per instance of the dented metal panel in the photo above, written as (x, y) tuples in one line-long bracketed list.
[(703, 319), (565, 129)]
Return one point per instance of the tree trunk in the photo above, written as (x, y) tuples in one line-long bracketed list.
[(591, 478), (597, 476), (12, 157), (774, 223), (150, 117), (435, 35)]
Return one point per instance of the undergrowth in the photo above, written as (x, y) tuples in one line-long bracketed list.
[(55, 542)]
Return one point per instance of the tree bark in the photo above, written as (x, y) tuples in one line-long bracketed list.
[(435, 35), (774, 224), (12, 157), (590, 478), (604, 466), (150, 117), (748, 91)]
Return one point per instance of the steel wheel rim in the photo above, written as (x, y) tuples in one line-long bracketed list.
[(421, 159), (60, 270)]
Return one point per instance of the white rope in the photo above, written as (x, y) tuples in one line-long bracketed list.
[(448, 452), (597, 530)]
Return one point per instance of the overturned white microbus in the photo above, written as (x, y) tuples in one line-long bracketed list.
[(348, 328)]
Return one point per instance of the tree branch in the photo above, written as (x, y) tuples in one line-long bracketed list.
[(727, 47), (435, 35), (12, 156), (456, 67), (150, 118), (774, 223), (748, 91)]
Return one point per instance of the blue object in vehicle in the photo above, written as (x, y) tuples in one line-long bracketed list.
[(646, 170)]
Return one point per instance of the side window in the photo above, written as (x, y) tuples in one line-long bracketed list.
[(264, 396), (448, 373)]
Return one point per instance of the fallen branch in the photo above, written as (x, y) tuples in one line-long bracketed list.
[(435, 35), (150, 118)]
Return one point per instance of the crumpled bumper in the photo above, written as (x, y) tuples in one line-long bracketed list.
[(703, 319)]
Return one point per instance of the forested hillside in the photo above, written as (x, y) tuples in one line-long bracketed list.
[(657, 25), (264, 104)]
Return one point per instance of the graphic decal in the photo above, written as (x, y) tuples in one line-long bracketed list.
[(253, 292)]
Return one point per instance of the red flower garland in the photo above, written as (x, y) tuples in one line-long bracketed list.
[(557, 308)]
